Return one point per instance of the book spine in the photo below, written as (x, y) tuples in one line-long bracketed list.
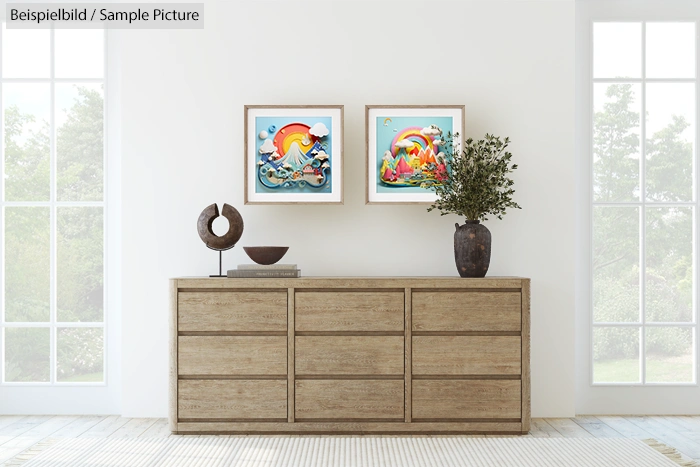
[(264, 273), (265, 267)]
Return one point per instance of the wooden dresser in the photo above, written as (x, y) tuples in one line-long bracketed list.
[(350, 355)]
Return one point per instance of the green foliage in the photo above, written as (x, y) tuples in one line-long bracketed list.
[(615, 146), (80, 149), (668, 277), (79, 352), (476, 183), (79, 240), (27, 150)]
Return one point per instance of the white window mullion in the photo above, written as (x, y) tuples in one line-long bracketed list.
[(2, 222), (696, 199), (643, 211), (52, 217)]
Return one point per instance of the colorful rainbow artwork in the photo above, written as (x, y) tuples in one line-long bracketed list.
[(293, 156), (413, 158)]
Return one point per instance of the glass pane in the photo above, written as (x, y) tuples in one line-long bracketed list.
[(670, 141), (27, 355), (80, 266), (670, 50), (669, 265), (669, 354), (27, 146), (616, 355), (79, 53), (26, 53), (615, 264), (79, 355), (617, 50), (79, 142), (616, 137), (27, 264)]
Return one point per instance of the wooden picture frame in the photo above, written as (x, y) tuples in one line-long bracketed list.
[(396, 173), (293, 154)]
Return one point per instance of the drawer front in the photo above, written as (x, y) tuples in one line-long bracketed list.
[(349, 399), (221, 399), (349, 311), (232, 311), (466, 311), (349, 355), (466, 355), (232, 355), (454, 399)]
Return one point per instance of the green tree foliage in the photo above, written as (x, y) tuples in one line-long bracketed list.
[(79, 238), (27, 150), (616, 147), (476, 183), (80, 149), (616, 273)]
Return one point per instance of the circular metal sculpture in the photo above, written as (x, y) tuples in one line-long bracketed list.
[(226, 241)]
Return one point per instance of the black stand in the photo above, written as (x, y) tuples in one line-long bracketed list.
[(220, 270), (221, 274)]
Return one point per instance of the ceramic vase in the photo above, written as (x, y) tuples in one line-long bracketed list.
[(472, 249)]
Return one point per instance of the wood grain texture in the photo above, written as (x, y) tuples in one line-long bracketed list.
[(349, 399), (213, 399), (172, 377), (232, 355), (466, 311), (349, 311), (290, 354), (450, 399), (465, 355), (350, 355), (526, 405), (232, 311), (350, 427), (347, 355), (407, 364), (352, 283)]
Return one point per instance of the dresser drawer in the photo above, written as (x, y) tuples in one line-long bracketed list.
[(220, 399), (349, 355), (349, 311), (232, 355), (466, 355), (349, 399), (454, 399), (232, 311), (466, 311)]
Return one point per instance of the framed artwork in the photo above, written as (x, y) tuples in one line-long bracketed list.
[(404, 147), (293, 154)]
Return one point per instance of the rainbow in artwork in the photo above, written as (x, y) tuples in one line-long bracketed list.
[(414, 158), (293, 154)]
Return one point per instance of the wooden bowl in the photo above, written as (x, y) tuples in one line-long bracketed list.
[(265, 254)]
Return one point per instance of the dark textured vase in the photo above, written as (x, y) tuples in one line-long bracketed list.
[(472, 249)]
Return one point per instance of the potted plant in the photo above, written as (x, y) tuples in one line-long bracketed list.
[(475, 183)]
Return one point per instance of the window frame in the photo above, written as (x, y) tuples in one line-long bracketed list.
[(53, 204), (642, 204)]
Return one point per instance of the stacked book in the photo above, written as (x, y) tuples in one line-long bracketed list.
[(261, 270)]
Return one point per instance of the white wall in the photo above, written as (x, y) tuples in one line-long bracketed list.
[(510, 63)]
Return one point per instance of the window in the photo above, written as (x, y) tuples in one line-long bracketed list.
[(52, 311), (644, 203)]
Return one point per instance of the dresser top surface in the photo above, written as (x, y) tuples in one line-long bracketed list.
[(353, 282)]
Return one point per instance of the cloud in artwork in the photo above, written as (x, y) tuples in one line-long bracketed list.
[(319, 130), (432, 130), (267, 147), (404, 144)]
